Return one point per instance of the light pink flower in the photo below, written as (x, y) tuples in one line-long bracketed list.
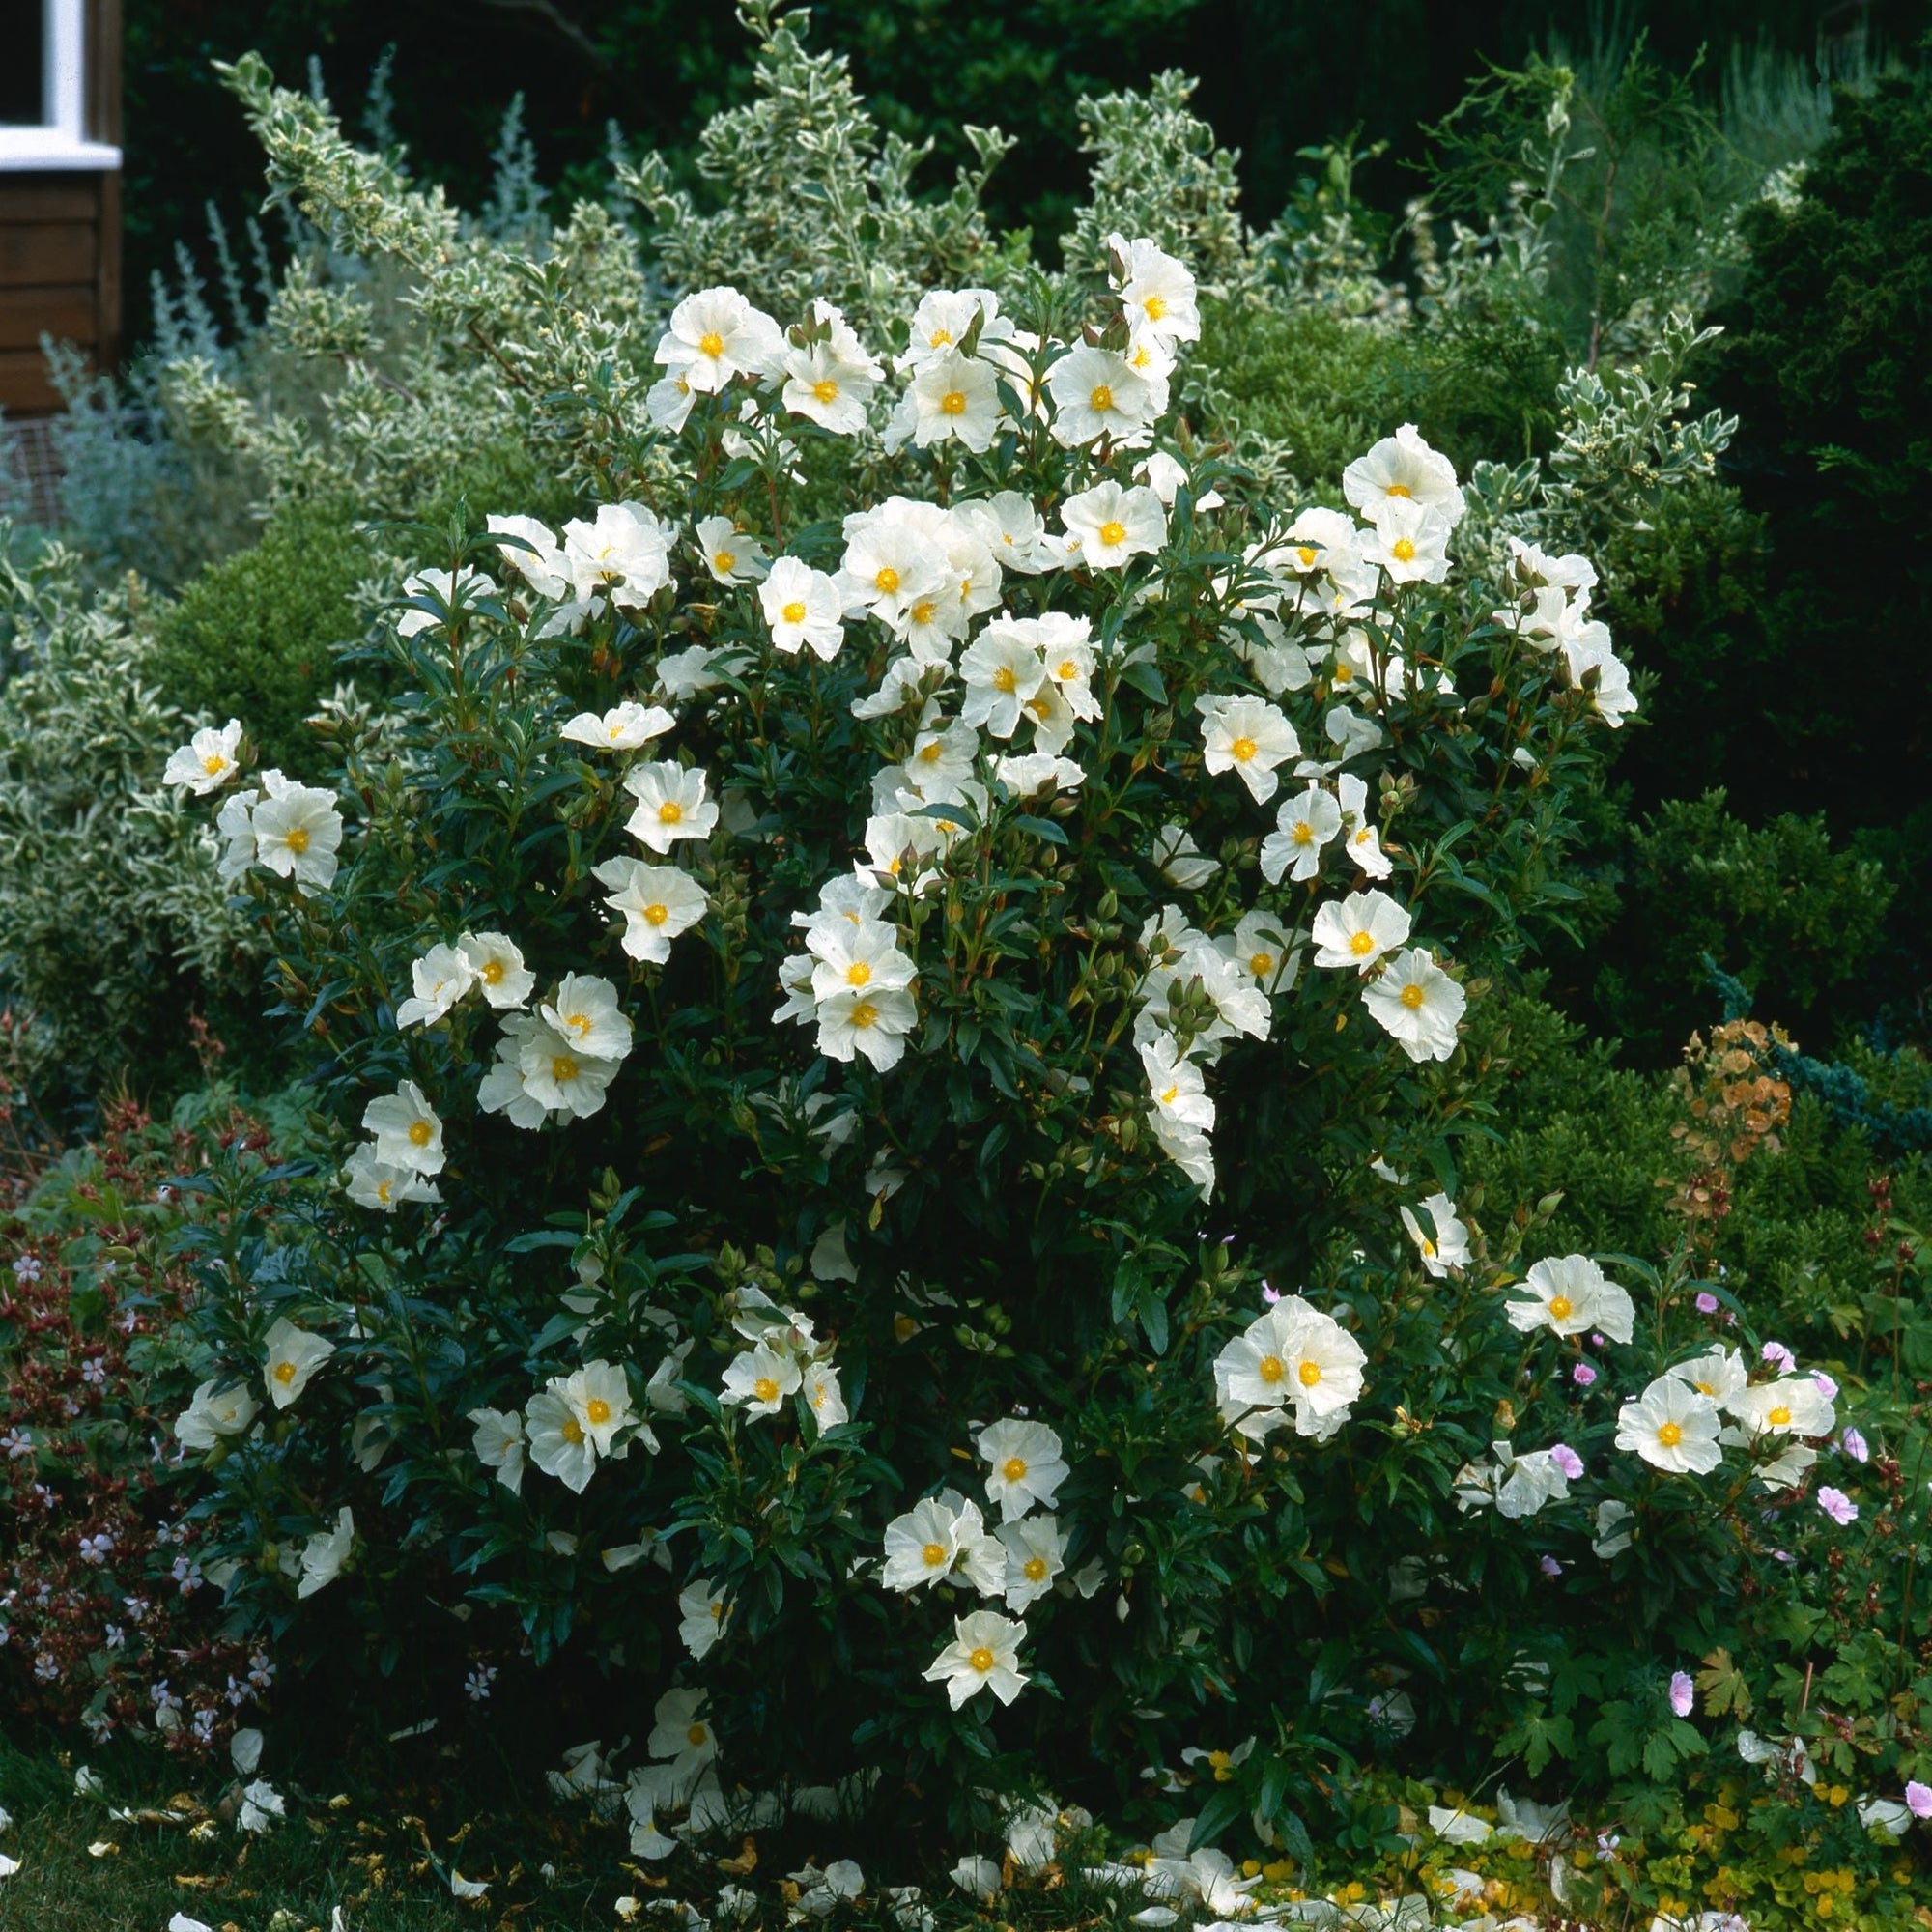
[(1837, 1505), (1683, 1692)]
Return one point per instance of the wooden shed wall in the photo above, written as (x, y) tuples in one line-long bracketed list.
[(59, 243)]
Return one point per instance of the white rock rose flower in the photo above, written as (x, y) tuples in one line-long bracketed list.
[(671, 805), (1672, 1428), (716, 336), (1358, 931), (658, 902), (408, 1130), (1417, 1004), (290, 1357), (498, 967), (1108, 525), (371, 1181), (207, 761), (984, 1655), (1248, 736), (437, 980), (1025, 1468), (1571, 1295), (325, 1553), (803, 609), (624, 727), (297, 832), (212, 1412)]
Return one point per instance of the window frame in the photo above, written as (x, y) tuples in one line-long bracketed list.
[(60, 140)]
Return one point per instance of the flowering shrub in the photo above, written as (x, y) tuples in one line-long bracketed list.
[(895, 1006)]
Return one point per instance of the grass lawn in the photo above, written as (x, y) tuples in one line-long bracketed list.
[(83, 1870)]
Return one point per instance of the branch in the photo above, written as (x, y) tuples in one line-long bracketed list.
[(547, 10)]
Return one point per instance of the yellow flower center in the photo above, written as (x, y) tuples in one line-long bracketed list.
[(1003, 678), (492, 972), (952, 403), (925, 611), (939, 338), (1429, 1247), (1034, 1569), (285, 1373), (825, 390), (1412, 997), (598, 1410), (765, 1389), (1169, 1093), (1269, 1369), (1670, 1434), (1399, 490), (717, 1613), (1242, 750), (724, 562), (1260, 964), (982, 1660), (711, 343), (887, 581), (1014, 1468), (1344, 672), (934, 1555), (563, 1068), (656, 915), (857, 973), (1112, 533), (1559, 1308), (931, 754), (384, 1189), (1361, 944), (864, 1014), (1154, 307), (1705, 1388), (1780, 1417), (298, 839), (1403, 551), (793, 612), (1101, 400), (214, 762), (571, 1430), (697, 1735), (1310, 1374), (671, 812), (1067, 672), (1307, 557), (420, 1134), (1304, 833)]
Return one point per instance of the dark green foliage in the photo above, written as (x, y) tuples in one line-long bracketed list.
[(1775, 904), (1275, 78), (1570, 1120), (1325, 386), (255, 636), (1683, 595), (1828, 364)]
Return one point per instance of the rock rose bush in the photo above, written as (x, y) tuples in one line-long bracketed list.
[(891, 1009)]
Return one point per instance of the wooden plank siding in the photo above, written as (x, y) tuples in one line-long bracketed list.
[(59, 243)]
